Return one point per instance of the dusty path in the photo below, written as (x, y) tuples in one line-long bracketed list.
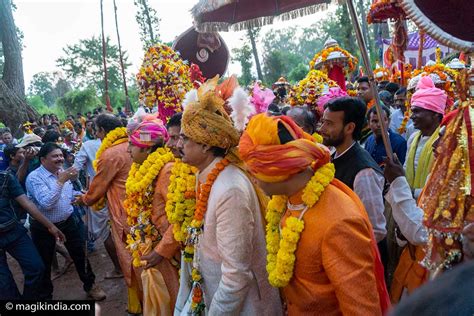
[(69, 287)]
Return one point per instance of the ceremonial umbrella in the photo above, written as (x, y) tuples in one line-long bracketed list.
[(450, 22), (223, 15)]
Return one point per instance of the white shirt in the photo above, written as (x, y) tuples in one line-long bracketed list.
[(406, 213), (396, 119), (86, 155), (368, 185)]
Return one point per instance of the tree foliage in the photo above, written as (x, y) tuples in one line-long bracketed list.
[(243, 55), (48, 86), (79, 101), (82, 64), (148, 22)]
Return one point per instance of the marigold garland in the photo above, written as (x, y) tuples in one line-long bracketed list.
[(308, 90), (281, 249), (323, 55), (114, 137), (163, 79), (181, 203), (195, 230), (406, 117), (139, 203)]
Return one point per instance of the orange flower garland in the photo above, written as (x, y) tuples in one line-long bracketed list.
[(195, 230), (406, 117), (324, 54)]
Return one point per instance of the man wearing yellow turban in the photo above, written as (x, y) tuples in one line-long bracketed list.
[(321, 248), (227, 275)]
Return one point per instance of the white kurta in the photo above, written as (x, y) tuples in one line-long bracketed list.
[(232, 252)]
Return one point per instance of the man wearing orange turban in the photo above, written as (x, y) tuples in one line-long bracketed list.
[(321, 248)]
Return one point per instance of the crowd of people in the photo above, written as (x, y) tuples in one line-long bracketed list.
[(292, 210)]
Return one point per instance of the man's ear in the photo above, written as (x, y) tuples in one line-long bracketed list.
[(349, 128), (205, 148)]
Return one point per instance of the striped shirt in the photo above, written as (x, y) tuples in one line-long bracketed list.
[(51, 198)]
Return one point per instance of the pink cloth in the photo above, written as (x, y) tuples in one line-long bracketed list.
[(261, 99), (333, 94), (149, 132), (428, 97)]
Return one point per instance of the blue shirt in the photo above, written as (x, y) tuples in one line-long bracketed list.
[(376, 148), (51, 198), (10, 189), (3, 158)]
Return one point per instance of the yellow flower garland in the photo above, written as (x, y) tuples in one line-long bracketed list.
[(181, 203), (281, 250), (139, 202), (115, 137)]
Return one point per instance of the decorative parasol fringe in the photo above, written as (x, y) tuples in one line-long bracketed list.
[(261, 21)]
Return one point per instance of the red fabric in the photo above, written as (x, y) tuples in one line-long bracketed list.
[(337, 74)]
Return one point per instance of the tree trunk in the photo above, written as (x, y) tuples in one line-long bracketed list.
[(255, 54), (13, 67), (13, 108)]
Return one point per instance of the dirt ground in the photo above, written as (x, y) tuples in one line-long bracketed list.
[(69, 287)]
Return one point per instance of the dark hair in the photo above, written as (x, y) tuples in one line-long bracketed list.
[(392, 87), (9, 151), (386, 97), (402, 90), (175, 120), (77, 124), (47, 148), (363, 79), (309, 117), (374, 110), (51, 136), (273, 109), (285, 109), (108, 122), (38, 130), (218, 152), (354, 111)]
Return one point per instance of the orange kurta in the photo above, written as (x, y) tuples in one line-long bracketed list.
[(335, 263), (409, 274), (112, 171), (168, 247)]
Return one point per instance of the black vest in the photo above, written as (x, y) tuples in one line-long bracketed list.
[(354, 160)]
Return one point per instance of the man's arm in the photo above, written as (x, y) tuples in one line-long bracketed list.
[(107, 168), (405, 212), (235, 225), (31, 208), (46, 196), (368, 185)]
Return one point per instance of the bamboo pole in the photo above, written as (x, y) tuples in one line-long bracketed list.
[(370, 74), (104, 54)]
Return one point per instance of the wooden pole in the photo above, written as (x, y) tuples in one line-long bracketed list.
[(420, 48), (104, 54), (370, 74), (128, 105)]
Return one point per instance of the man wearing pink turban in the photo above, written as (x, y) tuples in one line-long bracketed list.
[(427, 106), (147, 139)]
